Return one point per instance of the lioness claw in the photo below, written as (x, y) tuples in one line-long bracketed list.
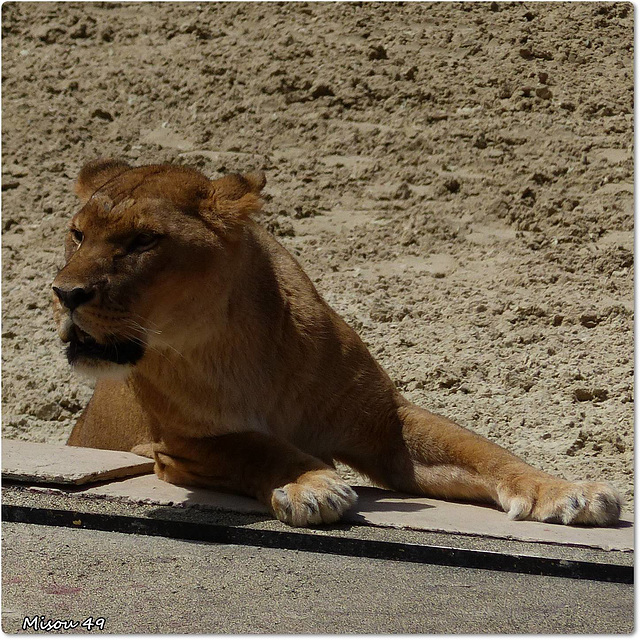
[(557, 501), (322, 500)]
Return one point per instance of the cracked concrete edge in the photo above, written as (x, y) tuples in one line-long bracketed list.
[(40, 497), (41, 464), (78, 479), (38, 462)]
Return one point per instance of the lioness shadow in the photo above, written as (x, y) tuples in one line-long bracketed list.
[(207, 506), (211, 507), (373, 499)]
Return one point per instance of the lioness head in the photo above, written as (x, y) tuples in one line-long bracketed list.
[(147, 244)]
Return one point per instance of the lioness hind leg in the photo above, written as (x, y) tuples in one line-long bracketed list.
[(299, 489), (441, 459)]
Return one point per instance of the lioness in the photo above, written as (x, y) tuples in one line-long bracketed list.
[(215, 355)]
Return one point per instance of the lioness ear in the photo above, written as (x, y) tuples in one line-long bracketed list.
[(236, 196), (96, 174)]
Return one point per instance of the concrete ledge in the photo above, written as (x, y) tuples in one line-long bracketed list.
[(376, 507), (382, 508), (389, 509), (304, 540), (58, 464)]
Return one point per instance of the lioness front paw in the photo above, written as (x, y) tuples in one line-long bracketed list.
[(559, 501), (316, 497)]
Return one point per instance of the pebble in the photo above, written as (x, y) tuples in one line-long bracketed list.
[(452, 185), (589, 320), (544, 93), (102, 114), (378, 52), (586, 395), (49, 33)]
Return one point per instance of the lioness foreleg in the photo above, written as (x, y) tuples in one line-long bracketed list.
[(299, 489), (442, 459)]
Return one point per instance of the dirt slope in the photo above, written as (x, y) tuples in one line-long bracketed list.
[(456, 179)]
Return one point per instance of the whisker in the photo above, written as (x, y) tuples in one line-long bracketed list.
[(132, 324), (162, 342), (144, 330), (145, 320), (152, 348)]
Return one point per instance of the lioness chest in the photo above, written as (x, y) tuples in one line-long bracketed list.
[(196, 401)]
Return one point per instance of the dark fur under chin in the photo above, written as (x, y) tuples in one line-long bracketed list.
[(127, 352)]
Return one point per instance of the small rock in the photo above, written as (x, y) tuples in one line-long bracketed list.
[(529, 54), (529, 196), (48, 411), (281, 228), (586, 395), (410, 74), (448, 381), (80, 32), (403, 192), (321, 90), (377, 52), (480, 141), (544, 93), (49, 33), (102, 114), (505, 91), (452, 185), (106, 35), (302, 211), (380, 312), (543, 77), (557, 320), (407, 238), (589, 320), (540, 178)]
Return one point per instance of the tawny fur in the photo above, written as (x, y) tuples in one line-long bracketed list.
[(249, 381)]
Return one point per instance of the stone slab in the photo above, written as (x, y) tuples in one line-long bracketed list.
[(149, 489), (55, 464), (386, 508), (382, 508), (58, 464)]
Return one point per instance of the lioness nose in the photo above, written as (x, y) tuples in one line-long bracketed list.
[(73, 298)]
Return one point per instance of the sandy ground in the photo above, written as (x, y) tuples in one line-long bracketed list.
[(455, 178)]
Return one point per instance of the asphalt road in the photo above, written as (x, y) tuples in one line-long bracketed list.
[(141, 584)]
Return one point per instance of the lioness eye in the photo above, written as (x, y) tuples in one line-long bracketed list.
[(77, 236), (144, 242)]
